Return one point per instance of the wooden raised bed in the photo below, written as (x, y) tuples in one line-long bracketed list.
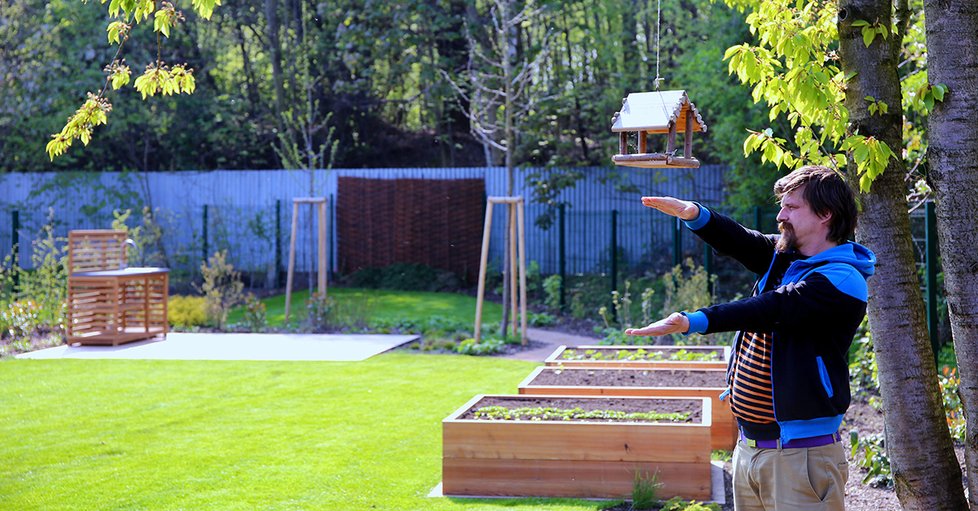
[(648, 382), (657, 356), (581, 459)]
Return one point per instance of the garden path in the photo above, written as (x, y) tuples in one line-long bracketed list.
[(542, 344)]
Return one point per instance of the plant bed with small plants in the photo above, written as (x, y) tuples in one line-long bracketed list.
[(576, 446), (699, 383), (665, 357)]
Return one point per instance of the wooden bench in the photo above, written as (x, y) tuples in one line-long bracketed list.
[(108, 302)]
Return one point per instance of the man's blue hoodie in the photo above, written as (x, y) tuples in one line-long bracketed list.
[(812, 307)]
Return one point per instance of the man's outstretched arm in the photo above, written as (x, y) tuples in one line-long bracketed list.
[(676, 323)]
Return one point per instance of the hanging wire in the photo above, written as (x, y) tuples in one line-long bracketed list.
[(658, 17)]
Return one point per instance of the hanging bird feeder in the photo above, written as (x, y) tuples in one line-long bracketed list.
[(659, 112)]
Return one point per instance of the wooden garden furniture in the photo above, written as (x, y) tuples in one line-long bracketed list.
[(110, 303)]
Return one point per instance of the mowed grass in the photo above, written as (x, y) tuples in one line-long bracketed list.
[(381, 304), (231, 435)]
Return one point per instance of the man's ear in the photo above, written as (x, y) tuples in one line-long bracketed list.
[(826, 218)]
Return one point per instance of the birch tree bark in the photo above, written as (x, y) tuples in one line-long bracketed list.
[(924, 467), (952, 60)]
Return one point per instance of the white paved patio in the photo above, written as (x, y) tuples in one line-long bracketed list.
[(235, 346)]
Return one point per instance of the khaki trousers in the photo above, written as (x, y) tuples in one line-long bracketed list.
[(811, 479)]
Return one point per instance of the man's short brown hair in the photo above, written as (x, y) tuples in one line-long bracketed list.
[(827, 193)]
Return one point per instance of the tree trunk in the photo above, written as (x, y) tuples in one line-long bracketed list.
[(925, 470), (507, 51), (249, 75), (272, 29), (952, 60)]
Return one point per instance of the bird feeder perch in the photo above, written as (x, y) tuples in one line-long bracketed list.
[(659, 112)]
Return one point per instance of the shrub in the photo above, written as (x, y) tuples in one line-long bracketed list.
[(485, 347), (534, 280), (551, 291), (222, 288), (678, 504), (541, 319), (19, 320), (146, 238), (586, 294), (255, 314), (688, 289), (863, 371), (615, 325), (953, 407), (321, 312), (187, 311), (870, 454), (46, 286)]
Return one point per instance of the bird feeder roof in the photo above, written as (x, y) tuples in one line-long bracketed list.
[(656, 112)]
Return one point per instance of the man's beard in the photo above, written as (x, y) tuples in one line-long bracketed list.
[(787, 241)]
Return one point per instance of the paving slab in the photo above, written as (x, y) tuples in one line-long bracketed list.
[(236, 346)]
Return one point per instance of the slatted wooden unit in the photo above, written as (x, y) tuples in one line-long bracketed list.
[(96, 250), (109, 303), (573, 459)]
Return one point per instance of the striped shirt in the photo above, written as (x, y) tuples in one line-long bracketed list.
[(752, 399)]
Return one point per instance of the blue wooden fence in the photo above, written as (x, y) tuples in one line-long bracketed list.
[(249, 212)]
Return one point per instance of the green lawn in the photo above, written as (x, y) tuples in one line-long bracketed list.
[(383, 304), (199, 435)]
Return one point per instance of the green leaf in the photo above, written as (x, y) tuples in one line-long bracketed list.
[(868, 35), (57, 146), (120, 78), (860, 23), (114, 7), (161, 22), (939, 91), (861, 154), (205, 8), (115, 31), (865, 182), (143, 9)]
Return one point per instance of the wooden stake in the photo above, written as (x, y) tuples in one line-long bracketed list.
[(322, 247), (289, 275), (322, 256), (514, 209), (522, 244), (483, 261), (512, 268)]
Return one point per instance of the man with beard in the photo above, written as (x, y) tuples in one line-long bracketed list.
[(788, 375)]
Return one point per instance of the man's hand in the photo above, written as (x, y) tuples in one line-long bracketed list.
[(683, 209), (676, 323)]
